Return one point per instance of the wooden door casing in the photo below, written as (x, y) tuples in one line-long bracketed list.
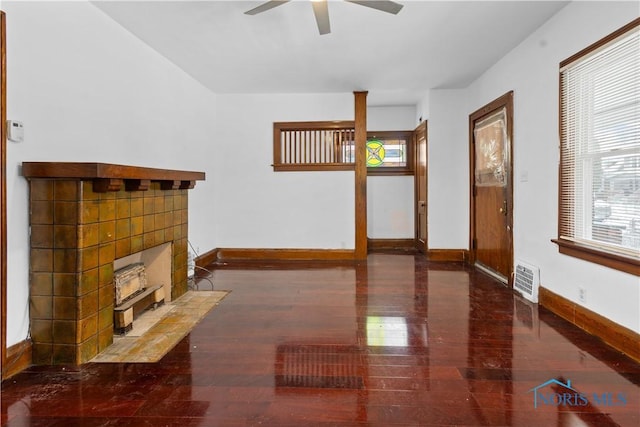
[(491, 222), (420, 143), (3, 196)]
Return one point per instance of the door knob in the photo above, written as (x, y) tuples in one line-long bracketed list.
[(503, 209)]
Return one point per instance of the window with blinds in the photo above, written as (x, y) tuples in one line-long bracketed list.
[(600, 151)]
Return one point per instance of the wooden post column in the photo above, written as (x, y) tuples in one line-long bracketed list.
[(361, 175)]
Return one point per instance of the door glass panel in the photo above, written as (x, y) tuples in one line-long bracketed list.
[(491, 150)]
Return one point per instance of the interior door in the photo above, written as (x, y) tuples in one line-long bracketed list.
[(492, 196), (420, 145)]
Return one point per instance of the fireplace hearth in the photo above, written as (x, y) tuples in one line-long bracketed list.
[(84, 217)]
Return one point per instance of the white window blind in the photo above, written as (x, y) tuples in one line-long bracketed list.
[(600, 147)]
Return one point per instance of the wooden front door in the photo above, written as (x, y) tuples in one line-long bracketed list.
[(420, 144), (490, 137)]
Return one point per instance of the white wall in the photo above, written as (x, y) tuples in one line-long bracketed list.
[(259, 208), (392, 117), (87, 90), (390, 199), (422, 108), (531, 70), (448, 170)]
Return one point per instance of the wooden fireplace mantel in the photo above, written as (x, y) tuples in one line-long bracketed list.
[(82, 218), (111, 177)]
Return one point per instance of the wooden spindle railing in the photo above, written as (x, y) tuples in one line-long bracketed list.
[(313, 146)]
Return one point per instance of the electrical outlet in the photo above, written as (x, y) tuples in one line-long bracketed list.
[(582, 294)]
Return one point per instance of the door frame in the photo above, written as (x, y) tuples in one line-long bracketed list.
[(3, 192), (505, 101), (421, 247)]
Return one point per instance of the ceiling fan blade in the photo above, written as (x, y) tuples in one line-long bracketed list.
[(321, 11), (383, 5), (266, 6)]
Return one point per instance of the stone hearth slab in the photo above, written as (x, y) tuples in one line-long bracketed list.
[(160, 330)]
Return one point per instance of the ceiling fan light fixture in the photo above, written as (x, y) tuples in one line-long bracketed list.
[(321, 12), (321, 9)]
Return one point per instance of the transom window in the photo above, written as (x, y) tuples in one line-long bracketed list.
[(600, 152), (388, 152)]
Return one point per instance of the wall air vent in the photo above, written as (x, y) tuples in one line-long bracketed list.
[(527, 281)]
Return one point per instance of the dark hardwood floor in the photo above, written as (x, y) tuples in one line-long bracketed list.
[(397, 341)]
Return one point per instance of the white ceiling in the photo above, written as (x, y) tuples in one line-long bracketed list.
[(397, 58)]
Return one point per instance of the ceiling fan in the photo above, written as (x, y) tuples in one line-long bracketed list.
[(321, 9)]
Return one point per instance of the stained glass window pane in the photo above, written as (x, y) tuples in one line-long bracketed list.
[(384, 153)]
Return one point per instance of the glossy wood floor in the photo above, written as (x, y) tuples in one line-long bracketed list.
[(394, 342)]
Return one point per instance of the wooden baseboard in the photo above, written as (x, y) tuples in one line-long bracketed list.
[(449, 255), (395, 245), (617, 336), (19, 357), (255, 254), (260, 255), (206, 258)]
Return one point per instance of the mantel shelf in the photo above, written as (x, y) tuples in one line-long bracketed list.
[(104, 170), (110, 177)]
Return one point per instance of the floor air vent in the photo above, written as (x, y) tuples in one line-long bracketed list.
[(527, 281)]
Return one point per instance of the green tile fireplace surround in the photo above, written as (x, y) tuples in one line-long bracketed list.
[(83, 216)]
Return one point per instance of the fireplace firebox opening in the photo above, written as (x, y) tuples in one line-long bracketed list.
[(142, 281)]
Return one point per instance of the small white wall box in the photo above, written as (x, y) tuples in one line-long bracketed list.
[(15, 131)]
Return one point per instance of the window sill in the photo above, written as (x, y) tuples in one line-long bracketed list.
[(388, 171), (615, 261), (313, 167)]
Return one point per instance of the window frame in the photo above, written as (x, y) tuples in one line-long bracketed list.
[(594, 254), (400, 170), (296, 165)]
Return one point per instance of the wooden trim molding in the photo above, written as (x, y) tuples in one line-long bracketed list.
[(617, 336), (18, 359), (360, 114), (309, 125), (111, 172), (109, 177), (245, 254), (601, 42), (206, 258), (313, 167), (104, 170), (3, 194), (611, 260), (421, 185), (381, 245), (448, 255)]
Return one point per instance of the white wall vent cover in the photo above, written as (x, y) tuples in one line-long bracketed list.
[(527, 281)]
